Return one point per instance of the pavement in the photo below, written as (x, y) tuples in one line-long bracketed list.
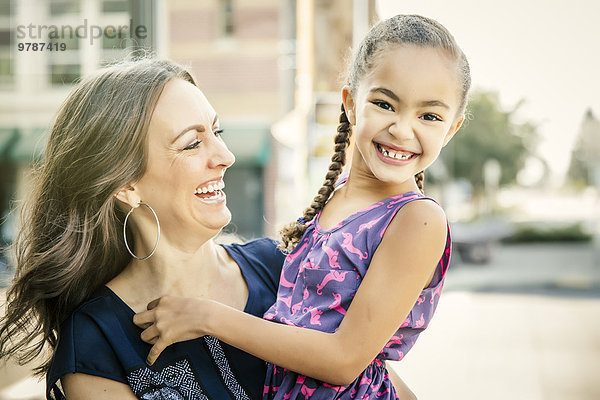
[(525, 326)]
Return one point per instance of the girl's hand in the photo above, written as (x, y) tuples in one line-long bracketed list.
[(170, 319)]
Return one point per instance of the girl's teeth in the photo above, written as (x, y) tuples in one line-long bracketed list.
[(391, 154)]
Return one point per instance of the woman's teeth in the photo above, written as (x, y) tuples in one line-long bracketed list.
[(393, 154), (210, 188)]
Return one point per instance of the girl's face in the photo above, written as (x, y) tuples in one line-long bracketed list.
[(404, 111), (186, 162)]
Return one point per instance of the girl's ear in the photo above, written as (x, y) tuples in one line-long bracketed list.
[(349, 106), (128, 195), (452, 131)]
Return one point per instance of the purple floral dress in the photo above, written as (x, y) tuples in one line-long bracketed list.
[(318, 282)]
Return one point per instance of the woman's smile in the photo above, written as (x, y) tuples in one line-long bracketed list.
[(211, 193)]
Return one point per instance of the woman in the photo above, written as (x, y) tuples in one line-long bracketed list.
[(136, 148)]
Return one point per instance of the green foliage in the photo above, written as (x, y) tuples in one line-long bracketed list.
[(488, 133), (568, 233), (586, 152)]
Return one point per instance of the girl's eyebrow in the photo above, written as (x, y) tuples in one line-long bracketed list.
[(434, 103), (385, 91), (425, 103)]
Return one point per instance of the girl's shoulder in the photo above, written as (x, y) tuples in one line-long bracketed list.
[(421, 214)]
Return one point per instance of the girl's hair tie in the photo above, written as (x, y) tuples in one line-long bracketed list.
[(301, 220)]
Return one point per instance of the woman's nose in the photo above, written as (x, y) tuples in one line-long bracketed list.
[(220, 156)]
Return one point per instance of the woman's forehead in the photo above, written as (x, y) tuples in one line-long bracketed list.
[(181, 104)]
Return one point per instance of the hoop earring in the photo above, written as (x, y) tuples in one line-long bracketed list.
[(141, 203)]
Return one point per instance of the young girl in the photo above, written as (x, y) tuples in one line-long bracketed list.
[(369, 260)]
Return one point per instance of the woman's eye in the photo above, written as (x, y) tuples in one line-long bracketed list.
[(192, 146), (383, 104), (431, 117), (218, 132)]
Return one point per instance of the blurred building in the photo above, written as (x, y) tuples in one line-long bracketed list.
[(242, 55), (35, 81), (271, 68)]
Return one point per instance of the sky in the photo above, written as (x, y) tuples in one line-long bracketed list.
[(546, 53)]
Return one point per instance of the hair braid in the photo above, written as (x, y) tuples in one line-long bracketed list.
[(420, 179), (292, 232)]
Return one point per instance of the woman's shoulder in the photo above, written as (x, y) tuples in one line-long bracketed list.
[(260, 254), (100, 310), (88, 341)]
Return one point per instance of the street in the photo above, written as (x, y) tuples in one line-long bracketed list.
[(524, 327)]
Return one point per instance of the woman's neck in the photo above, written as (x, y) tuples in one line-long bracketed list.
[(175, 271)]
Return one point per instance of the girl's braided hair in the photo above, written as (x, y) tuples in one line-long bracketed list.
[(398, 30)]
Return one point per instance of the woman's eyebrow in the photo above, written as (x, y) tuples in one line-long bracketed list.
[(198, 127)]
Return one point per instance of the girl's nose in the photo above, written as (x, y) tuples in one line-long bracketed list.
[(401, 128), (220, 157)]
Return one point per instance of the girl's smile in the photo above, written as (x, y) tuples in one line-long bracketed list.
[(394, 155)]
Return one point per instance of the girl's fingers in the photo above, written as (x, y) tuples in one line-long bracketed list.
[(144, 319), (155, 351), (150, 334), (153, 304)]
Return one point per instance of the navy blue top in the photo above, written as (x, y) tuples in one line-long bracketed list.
[(99, 338)]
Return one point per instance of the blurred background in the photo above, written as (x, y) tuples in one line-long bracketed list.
[(520, 183)]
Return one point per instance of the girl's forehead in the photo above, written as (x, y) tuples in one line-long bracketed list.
[(413, 70)]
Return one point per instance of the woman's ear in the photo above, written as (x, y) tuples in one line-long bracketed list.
[(452, 131), (128, 195), (349, 106)]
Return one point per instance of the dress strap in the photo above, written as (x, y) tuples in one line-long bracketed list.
[(341, 180)]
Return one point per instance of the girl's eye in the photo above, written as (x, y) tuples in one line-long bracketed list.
[(193, 145), (383, 104), (218, 132), (431, 117)]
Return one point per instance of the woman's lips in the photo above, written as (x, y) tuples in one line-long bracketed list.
[(210, 192)]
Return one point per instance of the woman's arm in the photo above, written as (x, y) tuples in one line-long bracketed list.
[(84, 387), (401, 267)]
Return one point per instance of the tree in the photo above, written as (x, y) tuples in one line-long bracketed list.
[(585, 157), (489, 133)]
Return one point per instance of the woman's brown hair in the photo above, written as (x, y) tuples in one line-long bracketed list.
[(71, 241), (398, 30)]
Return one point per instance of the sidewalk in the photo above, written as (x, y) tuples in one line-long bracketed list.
[(525, 327)]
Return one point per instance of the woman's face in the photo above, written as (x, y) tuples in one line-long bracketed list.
[(187, 159)]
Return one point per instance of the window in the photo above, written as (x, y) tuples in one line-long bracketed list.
[(114, 38), (62, 7), (227, 23), (6, 8), (64, 74), (115, 6), (6, 61)]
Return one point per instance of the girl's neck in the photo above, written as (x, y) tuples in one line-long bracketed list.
[(367, 186)]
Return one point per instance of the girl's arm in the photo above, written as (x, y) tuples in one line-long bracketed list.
[(84, 387), (401, 267)]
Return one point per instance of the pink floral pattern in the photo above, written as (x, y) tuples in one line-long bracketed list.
[(318, 282)]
